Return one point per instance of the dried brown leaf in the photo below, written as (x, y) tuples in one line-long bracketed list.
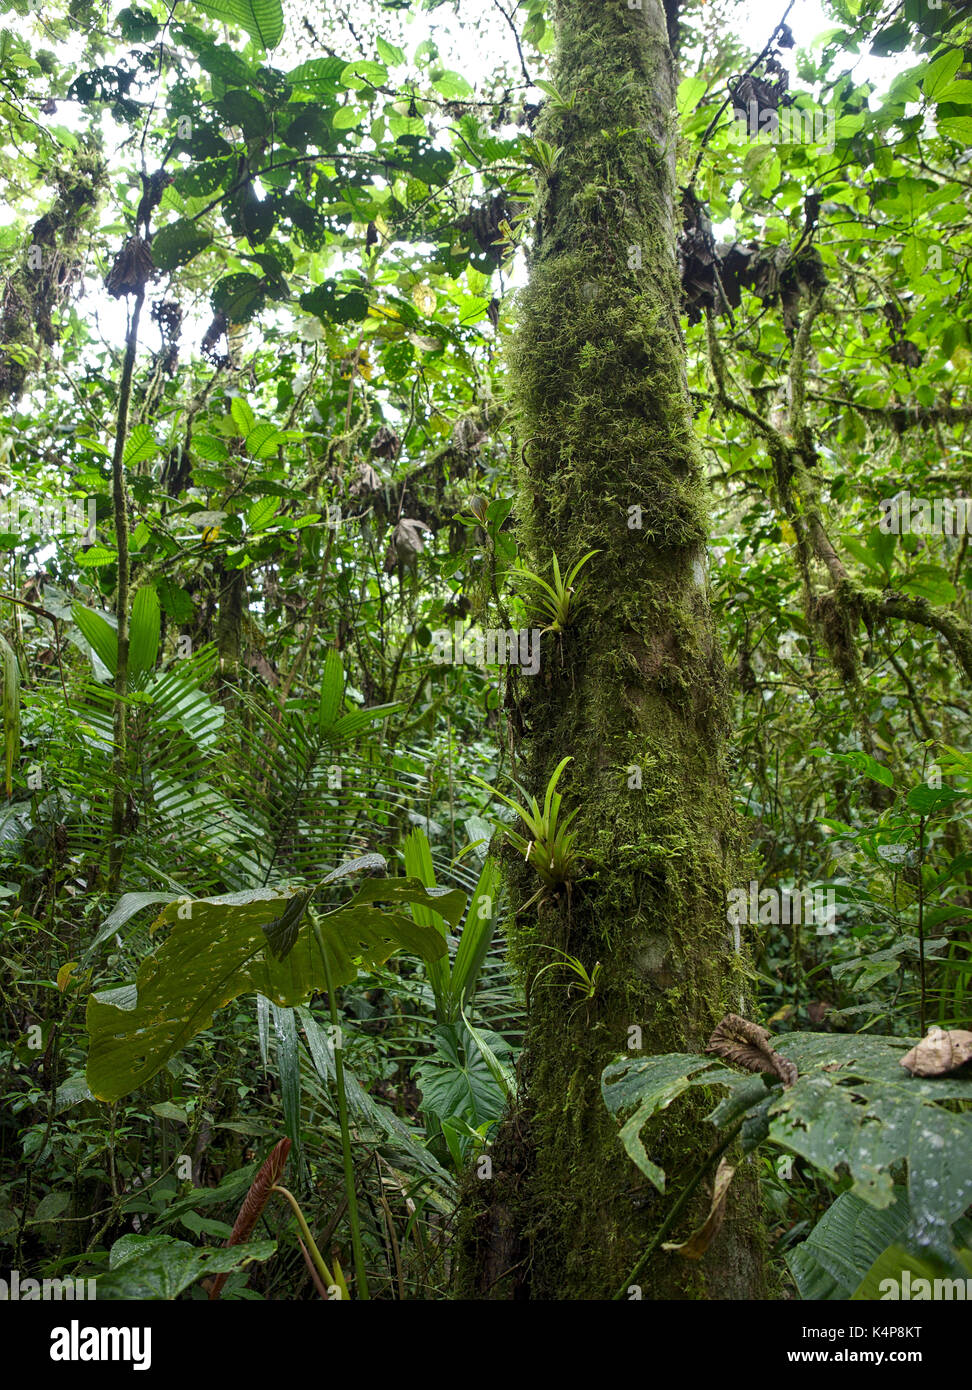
[(699, 1241), (745, 1043), (366, 481), (940, 1053), (385, 443), (132, 269)]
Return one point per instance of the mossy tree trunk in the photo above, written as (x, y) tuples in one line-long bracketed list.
[(634, 690)]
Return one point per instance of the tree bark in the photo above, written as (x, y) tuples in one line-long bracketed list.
[(119, 763), (634, 690)]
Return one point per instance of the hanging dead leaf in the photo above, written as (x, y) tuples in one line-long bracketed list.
[(405, 546), (699, 1241), (366, 482), (385, 443), (214, 332), (746, 1044), (467, 435), (132, 269), (939, 1053), (407, 540)]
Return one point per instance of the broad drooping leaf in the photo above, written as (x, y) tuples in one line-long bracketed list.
[(218, 949), (852, 1110), (843, 1245), (640, 1087), (854, 1246)]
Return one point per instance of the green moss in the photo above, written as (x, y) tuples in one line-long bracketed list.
[(32, 292), (637, 680)]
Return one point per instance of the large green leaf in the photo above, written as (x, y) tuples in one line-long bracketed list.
[(159, 1267), (239, 296), (853, 1109), (458, 1081), (218, 949), (641, 1086), (139, 446), (856, 1109), (261, 19), (844, 1244), (178, 242), (143, 648), (327, 303)]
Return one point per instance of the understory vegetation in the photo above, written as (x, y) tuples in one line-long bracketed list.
[(486, 648)]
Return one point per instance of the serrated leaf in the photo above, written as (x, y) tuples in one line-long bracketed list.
[(262, 513), (243, 416), (939, 74), (317, 75), (139, 445)]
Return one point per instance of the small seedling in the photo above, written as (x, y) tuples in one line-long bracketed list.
[(583, 980)]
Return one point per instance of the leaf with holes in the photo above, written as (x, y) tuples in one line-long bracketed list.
[(177, 243), (218, 949)]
